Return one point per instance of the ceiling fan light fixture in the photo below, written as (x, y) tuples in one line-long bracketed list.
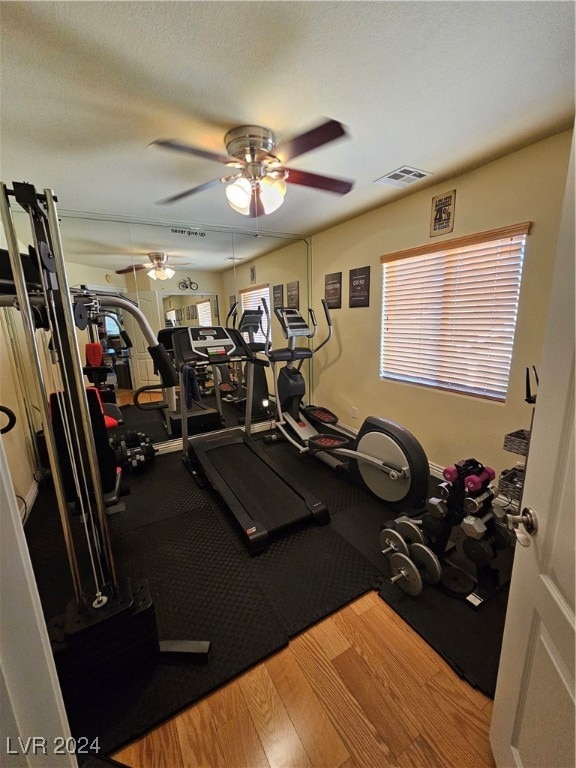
[(264, 195), (272, 192), (239, 194), (160, 273)]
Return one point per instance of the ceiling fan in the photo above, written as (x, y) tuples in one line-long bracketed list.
[(158, 268), (257, 183)]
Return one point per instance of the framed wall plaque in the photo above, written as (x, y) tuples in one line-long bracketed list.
[(333, 290), (359, 287), (293, 294), (277, 296)]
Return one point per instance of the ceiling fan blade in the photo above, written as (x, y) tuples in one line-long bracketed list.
[(188, 192), (327, 183), (312, 139), (133, 267), (179, 147)]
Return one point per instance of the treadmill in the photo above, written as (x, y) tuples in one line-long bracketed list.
[(254, 489)]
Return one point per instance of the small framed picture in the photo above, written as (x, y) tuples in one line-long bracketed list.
[(442, 215), (253, 274)]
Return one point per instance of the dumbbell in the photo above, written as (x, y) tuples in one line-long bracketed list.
[(149, 451), (474, 526), (410, 573), (482, 551), (391, 541), (120, 450), (410, 531), (474, 483)]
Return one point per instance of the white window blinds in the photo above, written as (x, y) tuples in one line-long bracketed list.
[(449, 314), (204, 313), (251, 298)]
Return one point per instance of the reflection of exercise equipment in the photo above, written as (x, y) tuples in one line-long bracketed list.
[(110, 473), (464, 528), (258, 494), (11, 419), (133, 450), (189, 406), (387, 459), (249, 325), (109, 629)]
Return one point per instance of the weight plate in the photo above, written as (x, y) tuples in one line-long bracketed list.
[(391, 538), (410, 532), (80, 316), (426, 562), (409, 579)]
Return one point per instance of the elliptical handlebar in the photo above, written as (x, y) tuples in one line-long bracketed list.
[(233, 313), (329, 323)]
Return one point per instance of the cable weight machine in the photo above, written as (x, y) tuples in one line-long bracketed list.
[(109, 628)]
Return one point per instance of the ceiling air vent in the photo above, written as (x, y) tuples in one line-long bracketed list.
[(403, 176)]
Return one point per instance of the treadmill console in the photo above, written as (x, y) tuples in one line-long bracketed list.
[(292, 322), (214, 344)]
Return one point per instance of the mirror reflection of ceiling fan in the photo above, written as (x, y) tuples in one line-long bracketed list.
[(257, 183), (158, 268)]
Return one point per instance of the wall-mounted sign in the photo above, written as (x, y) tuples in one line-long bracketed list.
[(277, 296), (360, 287), (188, 232), (442, 215), (293, 294), (333, 290)]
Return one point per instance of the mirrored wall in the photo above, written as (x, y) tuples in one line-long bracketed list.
[(212, 268)]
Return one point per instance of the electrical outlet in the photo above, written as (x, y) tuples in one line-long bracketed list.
[(354, 412)]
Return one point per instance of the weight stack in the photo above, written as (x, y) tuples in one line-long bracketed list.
[(94, 649)]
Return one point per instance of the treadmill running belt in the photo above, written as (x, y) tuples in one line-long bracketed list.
[(268, 501)]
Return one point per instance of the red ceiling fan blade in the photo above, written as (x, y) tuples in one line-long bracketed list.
[(188, 192), (312, 139), (179, 147), (326, 183), (132, 268)]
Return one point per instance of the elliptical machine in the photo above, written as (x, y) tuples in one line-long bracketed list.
[(387, 458)]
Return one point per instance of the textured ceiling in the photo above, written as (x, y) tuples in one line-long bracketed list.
[(440, 86)]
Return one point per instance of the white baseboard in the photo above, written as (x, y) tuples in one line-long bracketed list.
[(29, 500), (436, 470)]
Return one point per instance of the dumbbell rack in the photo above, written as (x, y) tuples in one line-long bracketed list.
[(459, 544)]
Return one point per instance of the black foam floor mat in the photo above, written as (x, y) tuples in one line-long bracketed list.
[(205, 586), (310, 573), (202, 590)]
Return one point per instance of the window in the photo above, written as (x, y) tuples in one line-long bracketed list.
[(449, 312), (251, 298), (204, 313)]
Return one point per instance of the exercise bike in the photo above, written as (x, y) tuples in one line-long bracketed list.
[(386, 458)]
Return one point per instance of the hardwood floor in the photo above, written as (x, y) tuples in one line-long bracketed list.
[(358, 690), (124, 397)]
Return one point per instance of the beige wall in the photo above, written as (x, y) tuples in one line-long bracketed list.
[(286, 265), (525, 186), (21, 469), (280, 267)]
